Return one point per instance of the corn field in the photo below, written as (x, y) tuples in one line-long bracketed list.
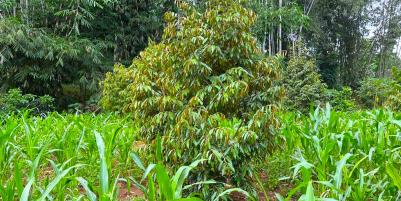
[(334, 156), (344, 156), (60, 157), (84, 157)]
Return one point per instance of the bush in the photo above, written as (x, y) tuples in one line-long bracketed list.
[(206, 87), (341, 100), (14, 101), (378, 92), (302, 84), (394, 100), (374, 91), (116, 94)]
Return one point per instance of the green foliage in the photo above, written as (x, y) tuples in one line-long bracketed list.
[(374, 91), (40, 63), (290, 18), (61, 157), (48, 45), (116, 94), (378, 92), (15, 101), (341, 100), (394, 174), (396, 73), (129, 25), (159, 185), (206, 87), (273, 169), (302, 83), (394, 100), (345, 156)]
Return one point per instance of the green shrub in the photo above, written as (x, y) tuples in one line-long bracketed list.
[(396, 74), (302, 83), (374, 91), (378, 92), (116, 94), (273, 169), (206, 87), (341, 100), (14, 101), (394, 100)]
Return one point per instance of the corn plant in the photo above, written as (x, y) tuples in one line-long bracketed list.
[(344, 155), (161, 187), (53, 157)]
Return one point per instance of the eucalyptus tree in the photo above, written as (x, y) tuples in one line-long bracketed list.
[(279, 24)]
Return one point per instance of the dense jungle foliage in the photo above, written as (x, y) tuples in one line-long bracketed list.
[(191, 100)]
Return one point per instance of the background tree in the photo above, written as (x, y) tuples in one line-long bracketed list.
[(64, 47), (279, 24), (385, 21), (337, 36), (353, 39), (302, 82)]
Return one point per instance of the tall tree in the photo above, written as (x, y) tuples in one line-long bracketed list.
[(336, 36), (385, 22), (279, 23)]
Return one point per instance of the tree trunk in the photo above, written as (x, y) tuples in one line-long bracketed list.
[(280, 40)]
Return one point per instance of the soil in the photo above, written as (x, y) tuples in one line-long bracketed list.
[(128, 194)]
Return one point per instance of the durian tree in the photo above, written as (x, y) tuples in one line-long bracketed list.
[(206, 88)]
